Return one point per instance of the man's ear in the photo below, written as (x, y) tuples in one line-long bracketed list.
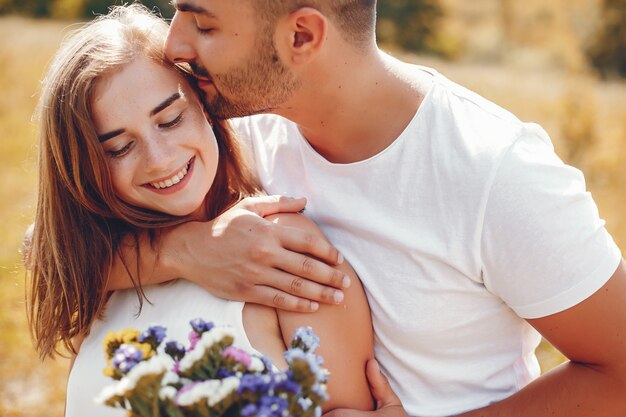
[(302, 34)]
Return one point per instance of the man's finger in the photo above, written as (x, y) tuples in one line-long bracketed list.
[(275, 298), (379, 386), (304, 241), (293, 281), (307, 267), (273, 204)]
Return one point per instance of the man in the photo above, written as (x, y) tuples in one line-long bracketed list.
[(465, 228)]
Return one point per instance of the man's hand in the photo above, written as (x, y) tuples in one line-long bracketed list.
[(242, 256), (387, 402)]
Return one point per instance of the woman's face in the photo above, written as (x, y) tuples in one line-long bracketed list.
[(160, 148)]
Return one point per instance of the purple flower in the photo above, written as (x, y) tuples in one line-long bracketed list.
[(249, 410), (285, 383), (267, 362), (271, 406), (154, 336), (306, 339), (238, 355), (255, 383), (304, 403), (193, 339), (314, 362), (200, 326), (126, 357), (320, 391), (175, 349), (224, 373)]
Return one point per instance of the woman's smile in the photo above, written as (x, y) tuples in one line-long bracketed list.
[(172, 183)]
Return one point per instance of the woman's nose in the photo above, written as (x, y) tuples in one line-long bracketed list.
[(159, 159), (178, 45)]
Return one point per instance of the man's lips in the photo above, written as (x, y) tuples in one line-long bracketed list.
[(203, 81)]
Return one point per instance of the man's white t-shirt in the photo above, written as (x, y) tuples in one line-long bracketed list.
[(464, 226)]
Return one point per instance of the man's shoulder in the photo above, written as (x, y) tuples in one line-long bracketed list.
[(259, 122)]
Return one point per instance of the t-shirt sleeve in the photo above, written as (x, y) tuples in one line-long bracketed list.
[(544, 247)]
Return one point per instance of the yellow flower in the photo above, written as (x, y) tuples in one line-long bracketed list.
[(115, 339)]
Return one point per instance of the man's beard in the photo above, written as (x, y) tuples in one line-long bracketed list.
[(261, 85)]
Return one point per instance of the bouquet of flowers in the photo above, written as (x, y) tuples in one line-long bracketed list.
[(210, 377)]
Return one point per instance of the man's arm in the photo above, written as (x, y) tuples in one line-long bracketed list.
[(591, 334), (241, 256)]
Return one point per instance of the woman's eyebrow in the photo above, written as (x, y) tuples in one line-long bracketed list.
[(106, 136), (162, 106), (167, 102)]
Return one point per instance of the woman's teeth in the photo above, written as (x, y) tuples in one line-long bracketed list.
[(171, 181)]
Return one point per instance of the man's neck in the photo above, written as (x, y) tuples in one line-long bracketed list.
[(357, 114)]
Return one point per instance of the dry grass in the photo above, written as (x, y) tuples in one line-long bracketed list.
[(27, 388), (584, 117)]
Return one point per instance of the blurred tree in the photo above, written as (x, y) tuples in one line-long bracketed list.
[(410, 24), (67, 9), (73, 9), (608, 50), (37, 8), (97, 7)]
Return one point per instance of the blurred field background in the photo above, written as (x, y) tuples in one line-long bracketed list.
[(556, 63)]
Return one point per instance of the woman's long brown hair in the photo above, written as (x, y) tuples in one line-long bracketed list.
[(80, 223)]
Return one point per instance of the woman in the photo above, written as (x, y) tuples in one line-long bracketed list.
[(126, 150)]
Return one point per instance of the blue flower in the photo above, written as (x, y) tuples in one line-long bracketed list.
[(305, 339), (175, 349), (284, 382), (305, 403), (249, 410), (126, 357), (154, 336), (224, 373), (314, 362), (267, 362), (200, 326), (255, 383), (271, 406), (320, 391)]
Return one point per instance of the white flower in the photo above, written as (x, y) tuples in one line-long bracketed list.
[(212, 391), (256, 365), (153, 366), (207, 340), (170, 378), (167, 393)]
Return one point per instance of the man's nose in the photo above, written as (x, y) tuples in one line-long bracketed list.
[(178, 45)]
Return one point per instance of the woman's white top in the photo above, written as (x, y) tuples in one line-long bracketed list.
[(171, 306)]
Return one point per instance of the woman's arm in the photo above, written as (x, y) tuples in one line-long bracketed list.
[(345, 332)]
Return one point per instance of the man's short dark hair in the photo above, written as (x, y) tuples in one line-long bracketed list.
[(356, 19)]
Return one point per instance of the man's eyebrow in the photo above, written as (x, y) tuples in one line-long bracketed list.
[(189, 7), (106, 136), (167, 102)]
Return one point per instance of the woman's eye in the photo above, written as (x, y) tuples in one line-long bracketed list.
[(171, 123), (120, 152)]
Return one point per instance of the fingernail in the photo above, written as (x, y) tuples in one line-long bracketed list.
[(340, 259), (338, 297), (345, 283), (314, 306)]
